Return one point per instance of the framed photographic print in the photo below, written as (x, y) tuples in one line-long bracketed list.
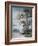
[(20, 22)]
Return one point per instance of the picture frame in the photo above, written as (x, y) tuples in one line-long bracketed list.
[(26, 15)]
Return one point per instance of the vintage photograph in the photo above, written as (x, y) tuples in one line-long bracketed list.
[(21, 22)]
